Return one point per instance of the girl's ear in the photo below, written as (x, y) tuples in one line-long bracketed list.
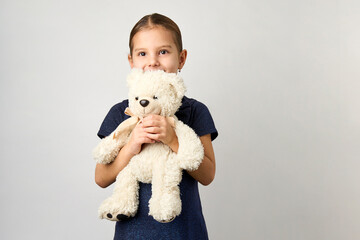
[(182, 58), (131, 62)]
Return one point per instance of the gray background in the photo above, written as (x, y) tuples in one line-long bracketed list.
[(281, 79)]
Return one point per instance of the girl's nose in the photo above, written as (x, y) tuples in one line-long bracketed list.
[(144, 102), (153, 61)]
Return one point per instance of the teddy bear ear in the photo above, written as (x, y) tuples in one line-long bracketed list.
[(133, 76), (178, 85)]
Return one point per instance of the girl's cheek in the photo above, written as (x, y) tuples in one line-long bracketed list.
[(138, 64)]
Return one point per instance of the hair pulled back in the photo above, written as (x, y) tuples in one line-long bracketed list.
[(154, 20)]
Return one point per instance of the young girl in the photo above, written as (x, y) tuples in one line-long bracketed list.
[(155, 44)]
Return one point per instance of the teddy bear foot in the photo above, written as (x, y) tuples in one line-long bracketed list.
[(165, 218), (165, 210), (166, 221), (114, 217), (111, 209), (119, 217)]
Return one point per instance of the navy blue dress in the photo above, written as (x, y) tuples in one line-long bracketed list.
[(190, 224)]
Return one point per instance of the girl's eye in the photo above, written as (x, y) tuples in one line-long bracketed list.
[(142, 54), (136, 98), (162, 52), (155, 97)]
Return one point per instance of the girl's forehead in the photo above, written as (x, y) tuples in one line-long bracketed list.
[(154, 35)]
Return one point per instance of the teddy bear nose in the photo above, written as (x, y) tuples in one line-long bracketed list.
[(144, 102)]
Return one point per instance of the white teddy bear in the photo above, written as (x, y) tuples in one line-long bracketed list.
[(150, 92)]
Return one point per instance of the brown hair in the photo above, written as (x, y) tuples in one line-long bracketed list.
[(155, 19)]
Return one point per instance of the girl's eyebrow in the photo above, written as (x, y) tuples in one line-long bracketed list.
[(139, 49), (165, 46), (143, 49)]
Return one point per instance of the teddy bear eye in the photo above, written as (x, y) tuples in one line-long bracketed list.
[(136, 98), (155, 97)]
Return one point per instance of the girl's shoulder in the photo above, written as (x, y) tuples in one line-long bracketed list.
[(113, 118), (194, 107), (119, 107), (193, 102), (197, 115)]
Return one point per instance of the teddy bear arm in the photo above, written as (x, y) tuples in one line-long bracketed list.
[(108, 148), (123, 131), (191, 151)]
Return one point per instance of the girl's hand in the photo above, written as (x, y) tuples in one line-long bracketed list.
[(159, 129), (138, 137)]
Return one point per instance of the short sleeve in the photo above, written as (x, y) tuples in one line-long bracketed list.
[(202, 121), (114, 117)]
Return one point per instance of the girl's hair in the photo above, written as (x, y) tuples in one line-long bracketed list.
[(153, 20)]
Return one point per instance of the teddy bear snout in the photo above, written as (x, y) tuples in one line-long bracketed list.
[(144, 102)]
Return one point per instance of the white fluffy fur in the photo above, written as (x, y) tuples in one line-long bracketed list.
[(156, 163)]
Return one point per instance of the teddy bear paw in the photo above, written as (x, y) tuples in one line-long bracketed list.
[(111, 210), (166, 221), (119, 217), (167, 213), (170, 207)]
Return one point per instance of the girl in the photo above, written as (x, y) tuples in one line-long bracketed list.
[(155, 44)]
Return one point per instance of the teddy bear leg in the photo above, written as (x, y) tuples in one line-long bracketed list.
[(124, 201), (156, 189), (169, 202)]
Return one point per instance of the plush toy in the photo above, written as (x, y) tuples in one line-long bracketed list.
[(150, 92)]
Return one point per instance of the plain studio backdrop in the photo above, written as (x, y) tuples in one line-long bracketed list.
[(281, 79)]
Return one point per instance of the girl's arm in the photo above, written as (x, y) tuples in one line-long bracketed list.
[(205, 174), (105, 174)]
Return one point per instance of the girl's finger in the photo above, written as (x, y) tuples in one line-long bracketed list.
[(152, 129), (147, 140), (156, 137)]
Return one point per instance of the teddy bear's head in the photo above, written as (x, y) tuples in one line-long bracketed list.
[(154, 92)]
